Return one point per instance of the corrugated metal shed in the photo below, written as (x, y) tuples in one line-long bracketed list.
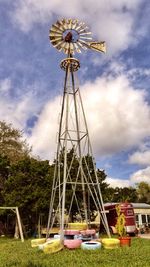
[(141, 206), (135, 205)]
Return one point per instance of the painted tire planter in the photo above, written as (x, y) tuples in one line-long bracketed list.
[(71, 232), (91, 245), (72, 244), (52, 246), (77, 226), (37, 242), (56, 236), (88, 232), (110, 243), (78, 236), (49, 240), (125, 241)]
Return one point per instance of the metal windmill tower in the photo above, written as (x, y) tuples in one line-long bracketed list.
[(75, 169)]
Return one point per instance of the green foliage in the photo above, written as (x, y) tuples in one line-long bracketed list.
[(4, 172), (118, 194), (12, 149), (120, 225), (143, 191), (103, 186), (29, 187), (12, 144)]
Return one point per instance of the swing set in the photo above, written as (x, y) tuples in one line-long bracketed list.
[(16, 211)]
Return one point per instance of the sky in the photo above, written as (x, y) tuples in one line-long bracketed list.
[(115, 86)]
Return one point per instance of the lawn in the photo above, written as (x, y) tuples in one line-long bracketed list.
[(15, 253)]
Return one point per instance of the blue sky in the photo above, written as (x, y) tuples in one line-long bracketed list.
[(115, 86)]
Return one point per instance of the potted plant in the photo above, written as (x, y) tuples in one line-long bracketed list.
[(120, 227)]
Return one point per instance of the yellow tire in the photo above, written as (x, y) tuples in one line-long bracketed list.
[(110, 243), (52, 246), (37, 242), (77, 226)]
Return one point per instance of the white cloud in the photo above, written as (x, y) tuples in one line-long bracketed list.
[(112, 106), (112, 21), (43, 138), (140, 157), (139, 72), (5, 86), (142, 175), (113, 111), (116, 182), (18, 110)]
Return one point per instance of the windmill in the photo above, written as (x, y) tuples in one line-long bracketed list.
[(73, 145)]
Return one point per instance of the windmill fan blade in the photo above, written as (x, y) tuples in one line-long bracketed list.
[(55, 28), (85, 37), (80, 26), (74, 24), (85, 33), (60, 26), (63, 24), (82, 45), (71, 48), (69, 22), (59, 48), (85, 29), (66, 48), (52, 38), (76, 47), (62, 46), (52, 33), (58, 44)]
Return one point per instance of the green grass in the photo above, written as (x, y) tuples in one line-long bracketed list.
[(15, 253)]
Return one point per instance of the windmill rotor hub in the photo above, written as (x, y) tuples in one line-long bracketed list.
[(72, 63), (68, 37)]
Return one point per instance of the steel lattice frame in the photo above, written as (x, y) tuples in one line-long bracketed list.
[(72, 36)]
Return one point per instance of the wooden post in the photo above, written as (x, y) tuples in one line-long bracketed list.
[(39, 227), (19, 224)]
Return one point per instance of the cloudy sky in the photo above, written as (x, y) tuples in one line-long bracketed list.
[(115, 86)]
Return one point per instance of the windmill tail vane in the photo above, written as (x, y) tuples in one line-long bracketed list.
[(98, 46)]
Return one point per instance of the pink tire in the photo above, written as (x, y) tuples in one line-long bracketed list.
[(72, 243), (71, 232)]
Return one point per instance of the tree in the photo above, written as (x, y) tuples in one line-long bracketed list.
[(143, 191), (29, 187), (118, 194), (125, 194), (12, 144), (12, 149), (4, 172)]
